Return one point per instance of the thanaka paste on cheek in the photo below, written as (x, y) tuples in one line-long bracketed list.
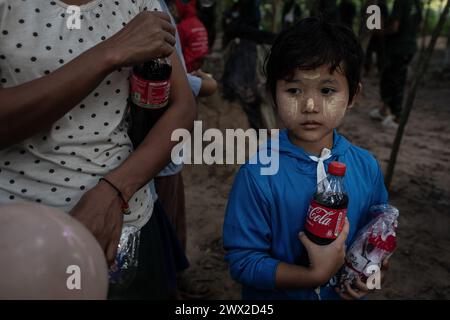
[(334, 108), (288, 109)]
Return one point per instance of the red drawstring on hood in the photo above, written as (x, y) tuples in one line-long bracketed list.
[(186, 9)]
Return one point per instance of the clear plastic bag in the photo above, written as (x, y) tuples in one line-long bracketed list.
[(374, 243), (124, 269)]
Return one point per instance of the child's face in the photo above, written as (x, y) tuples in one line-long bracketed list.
[(312, 103)]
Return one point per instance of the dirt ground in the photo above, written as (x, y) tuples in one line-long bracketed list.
[(420, 268)]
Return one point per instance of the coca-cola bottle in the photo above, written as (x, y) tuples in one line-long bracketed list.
[(149, 93), (328, 209), (149, 96)]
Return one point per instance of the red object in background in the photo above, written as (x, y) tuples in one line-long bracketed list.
[(193, 35)]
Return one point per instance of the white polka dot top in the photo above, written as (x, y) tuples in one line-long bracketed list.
[(56, 167)]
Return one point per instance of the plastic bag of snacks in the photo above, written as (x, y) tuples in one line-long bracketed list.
[(374, 243)]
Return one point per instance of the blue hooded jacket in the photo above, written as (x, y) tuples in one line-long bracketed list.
[(265, 213)]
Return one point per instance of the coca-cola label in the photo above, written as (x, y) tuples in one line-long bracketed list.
[(324, 222), (149, 94)]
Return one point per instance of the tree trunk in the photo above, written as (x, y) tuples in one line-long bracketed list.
[(277, 15), (422, 66), (424, 26), (447, 52)]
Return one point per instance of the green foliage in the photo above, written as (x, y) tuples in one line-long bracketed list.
[(433, 20), (267, 11)]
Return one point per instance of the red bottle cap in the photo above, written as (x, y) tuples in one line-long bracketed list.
[(336, 168)]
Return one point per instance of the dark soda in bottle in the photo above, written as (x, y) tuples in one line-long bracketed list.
[(328, 209), (149, 98)]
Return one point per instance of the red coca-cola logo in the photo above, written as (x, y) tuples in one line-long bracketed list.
[(324, 222), (321, 216)]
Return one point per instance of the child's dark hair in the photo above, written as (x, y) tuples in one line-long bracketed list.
[(309, 44)]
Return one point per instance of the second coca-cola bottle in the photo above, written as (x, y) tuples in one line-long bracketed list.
[(328, 208), (149, 92), (149, 96)]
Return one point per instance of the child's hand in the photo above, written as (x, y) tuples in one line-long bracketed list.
[(326, 260), (348, 293), (202, 75), (209, 85), (360, 290)]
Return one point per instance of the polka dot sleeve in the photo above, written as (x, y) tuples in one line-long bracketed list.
[(58, 166)]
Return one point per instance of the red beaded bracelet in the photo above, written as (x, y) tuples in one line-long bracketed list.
[(125, 207)]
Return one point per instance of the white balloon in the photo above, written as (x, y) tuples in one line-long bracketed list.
[(47, 254)]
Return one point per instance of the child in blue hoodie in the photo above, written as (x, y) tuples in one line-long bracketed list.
[(313, 77)]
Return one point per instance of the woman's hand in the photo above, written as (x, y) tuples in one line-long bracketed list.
[(148, 36), (100, 211), (361, 290), (325, 261)]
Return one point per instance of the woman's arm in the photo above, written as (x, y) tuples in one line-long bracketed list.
[(153, 153), (34, 106), (99, 208)]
